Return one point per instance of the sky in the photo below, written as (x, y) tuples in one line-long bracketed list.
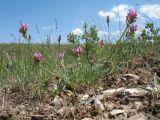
[(70, 16)]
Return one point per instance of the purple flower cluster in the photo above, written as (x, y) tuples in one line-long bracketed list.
[(77, 51), (132, 28), (131, 16), (61, 56), (131, 19), (101, 43), (23, 29), (37, 57)]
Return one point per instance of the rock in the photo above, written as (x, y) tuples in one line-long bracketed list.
[(100, 97), (137, 105), (121, 89), (57, 102), (92, 101), (85, 97), (138, 117), (132, 76), (109, 105), (135, 92), (20, 109), (61, 111), (129, 110), (98, 105), (109, 92), (117, 111)]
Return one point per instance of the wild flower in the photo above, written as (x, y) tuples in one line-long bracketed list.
[(132, 28), (23, 29), (37, 57), (131, 16), (101, 43), (61, 56), (77, 51)]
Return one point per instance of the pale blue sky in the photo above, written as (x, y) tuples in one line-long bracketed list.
[(70, 15)]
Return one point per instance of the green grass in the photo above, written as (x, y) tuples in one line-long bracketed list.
[(18, 68)]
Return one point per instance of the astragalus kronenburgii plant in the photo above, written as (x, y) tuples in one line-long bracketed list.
[(131, 16), (77, 51), (132, 28), (61, 56), (37, 57), (130, 19), (101, 43), (23, 29)]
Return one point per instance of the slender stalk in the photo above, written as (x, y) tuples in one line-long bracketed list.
[(86, 41), (123, 34)]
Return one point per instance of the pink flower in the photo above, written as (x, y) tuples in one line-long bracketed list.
[(101, 43), (61, 56), (131, 16), (132, 28), (37, 57), (23, 29), (77, 51)]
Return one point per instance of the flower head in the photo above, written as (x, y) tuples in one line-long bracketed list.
[(101, 43), (61, 56), (37, 57), (132, 28), (23, 29), (77, 51), (131, 16)]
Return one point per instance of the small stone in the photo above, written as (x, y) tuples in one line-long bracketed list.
[(109, 92), (133, 76), (85, 97), (109, 106), (137, 105), (57, 102), (20, 109), (138, 117), (100, 97), (98, 105), (61, 111), (135, 92), (117, 111)]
